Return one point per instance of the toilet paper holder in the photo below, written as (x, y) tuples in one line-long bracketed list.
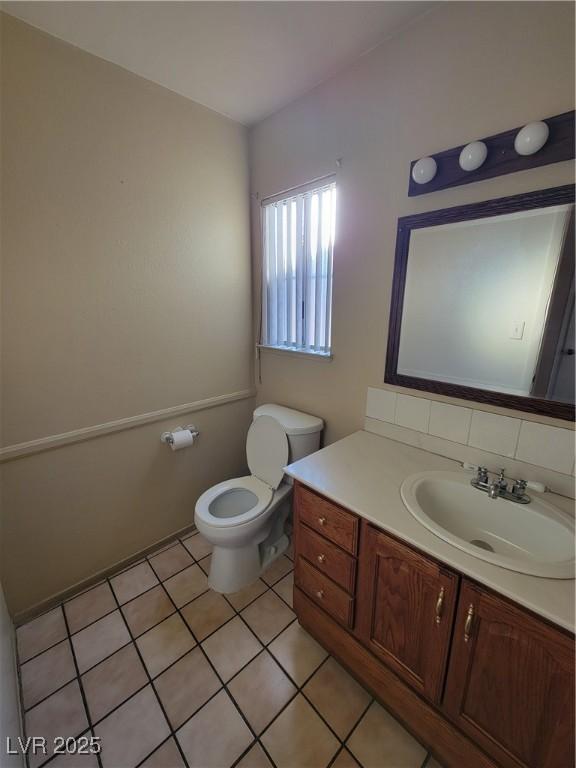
[(168, 439)]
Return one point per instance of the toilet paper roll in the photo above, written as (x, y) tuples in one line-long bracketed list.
[(182, 438)]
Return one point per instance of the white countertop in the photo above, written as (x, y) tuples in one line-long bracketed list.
[(364, 472)]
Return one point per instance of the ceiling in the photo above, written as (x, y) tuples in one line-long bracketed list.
[(242, 59)]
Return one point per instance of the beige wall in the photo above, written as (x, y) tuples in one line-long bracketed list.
[(125, 289), (124, 236), (464, 71), (72, 512)]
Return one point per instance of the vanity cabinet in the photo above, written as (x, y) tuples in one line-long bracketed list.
[(326, 544), (478, 679), (510, 682), (329, 520), (406, 613)]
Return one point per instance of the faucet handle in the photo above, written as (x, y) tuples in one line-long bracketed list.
[(519, 487)]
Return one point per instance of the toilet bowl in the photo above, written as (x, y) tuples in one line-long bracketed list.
[(246, 519)]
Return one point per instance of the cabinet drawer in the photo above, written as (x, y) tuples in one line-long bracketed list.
[(327, 557), (326, 518), (324, 592)]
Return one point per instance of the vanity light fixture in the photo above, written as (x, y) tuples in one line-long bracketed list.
[(424, 170), (531, 138), (473, 156), (542, 142)]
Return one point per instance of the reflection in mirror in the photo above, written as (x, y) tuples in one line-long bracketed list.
[(490, 304), (484, 301)]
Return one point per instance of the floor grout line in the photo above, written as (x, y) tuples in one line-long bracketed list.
[(158, 699), (110, 574), (165, 741), (246, 751), (237, 612), (134, 638), (44, 698), (76, 678), (336, 756), (298, 687), (48, 648), (80, 684), (124, 701), (223, 684), (54, 757), (108, 613), (108, 580), (151, 679)]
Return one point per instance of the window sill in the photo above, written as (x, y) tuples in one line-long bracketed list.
[(325, 357)]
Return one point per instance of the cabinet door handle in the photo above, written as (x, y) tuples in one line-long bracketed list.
[(468, 624), (322, 520), (440, 605), (321, 558), (320, 594)]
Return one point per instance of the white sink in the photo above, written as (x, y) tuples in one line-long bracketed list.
[(535, 538)]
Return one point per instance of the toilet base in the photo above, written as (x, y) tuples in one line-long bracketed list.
[(233, 568), (272, 552)]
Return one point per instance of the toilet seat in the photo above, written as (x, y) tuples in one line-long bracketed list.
[(229, 504), (267, 450), (206, 506)]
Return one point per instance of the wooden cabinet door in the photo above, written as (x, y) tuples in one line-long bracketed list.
[(511, 682), (405, 610)]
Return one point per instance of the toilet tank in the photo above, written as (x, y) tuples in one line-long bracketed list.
[(302, 430)]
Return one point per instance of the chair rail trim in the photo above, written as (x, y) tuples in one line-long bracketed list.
[(21, 450)]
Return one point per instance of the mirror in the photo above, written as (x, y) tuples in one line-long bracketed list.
[(483, 302)]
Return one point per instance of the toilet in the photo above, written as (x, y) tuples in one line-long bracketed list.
[(246, 519)]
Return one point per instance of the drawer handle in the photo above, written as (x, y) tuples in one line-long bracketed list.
[(321, 558), (468, 625), (440, 606), (322, 520), (320, 594)]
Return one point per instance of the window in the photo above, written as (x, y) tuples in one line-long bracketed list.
[(298, 236)]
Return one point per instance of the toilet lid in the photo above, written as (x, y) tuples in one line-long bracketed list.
[(267, 450)]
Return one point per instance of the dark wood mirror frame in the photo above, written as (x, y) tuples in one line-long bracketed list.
[(523, 202)]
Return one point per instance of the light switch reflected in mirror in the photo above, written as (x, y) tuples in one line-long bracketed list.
[(488, 304)]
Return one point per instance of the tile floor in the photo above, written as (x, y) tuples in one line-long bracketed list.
[(170, 674)]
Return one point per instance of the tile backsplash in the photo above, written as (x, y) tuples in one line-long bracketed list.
[(412, 412), (552, 449), (494, 433), (546, 446), (450, 422)]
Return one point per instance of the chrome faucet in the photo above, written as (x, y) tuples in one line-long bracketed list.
[(481, 481), (498, 487), (494, 490)]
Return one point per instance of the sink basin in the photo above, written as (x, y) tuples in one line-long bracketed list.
[(535, 538)]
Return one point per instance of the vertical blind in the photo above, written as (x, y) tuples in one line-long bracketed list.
[(298, 237)]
